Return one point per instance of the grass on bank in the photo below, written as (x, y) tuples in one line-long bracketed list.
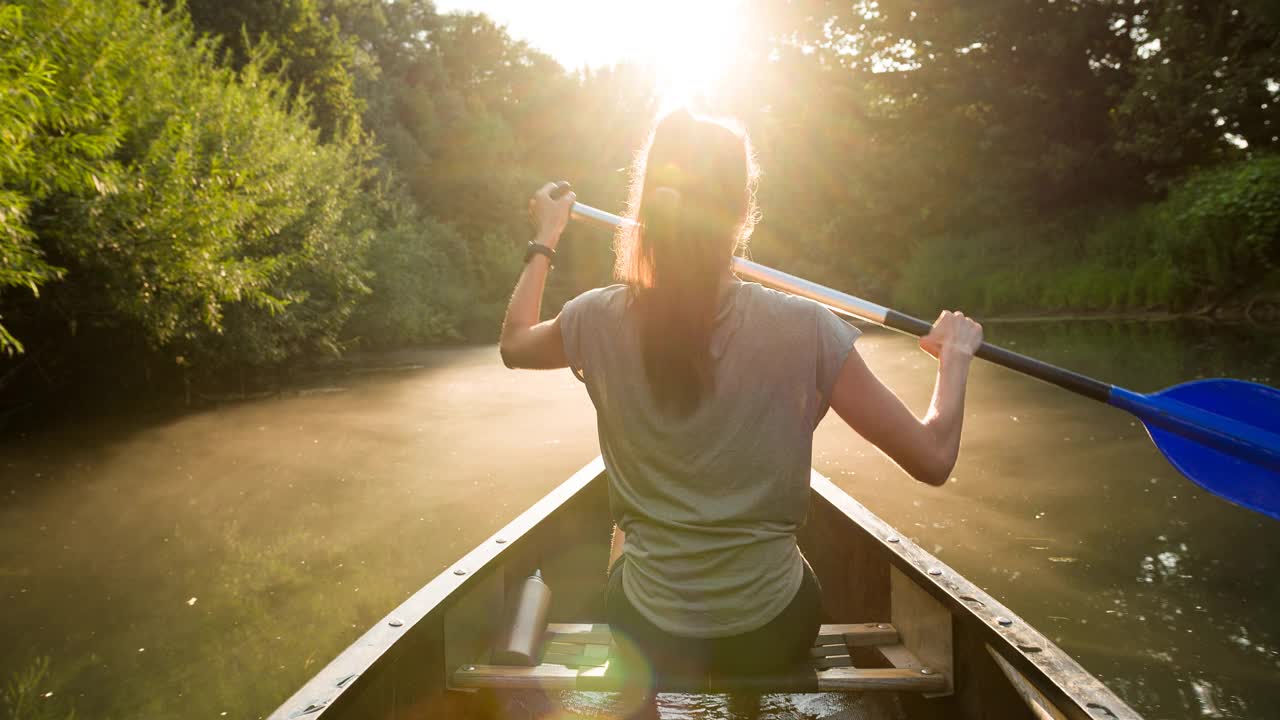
[(1214, 241)]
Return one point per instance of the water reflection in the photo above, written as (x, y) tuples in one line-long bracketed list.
[(1064, 510), (680, 706), (295, 522)]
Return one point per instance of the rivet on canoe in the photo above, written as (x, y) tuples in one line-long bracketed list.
[(316, 706), (882, 626), (395, 622), (1004, 621), (935, 571), (1103, 708), (500, 541), (926, 671), (459, 571), (892, 538), (468, 668)]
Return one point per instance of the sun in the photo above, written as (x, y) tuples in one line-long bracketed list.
[(692, 46)]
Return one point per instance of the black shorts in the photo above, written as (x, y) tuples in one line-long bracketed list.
[(779, 645)]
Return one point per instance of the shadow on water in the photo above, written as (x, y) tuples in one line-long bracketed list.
[(216, 560)]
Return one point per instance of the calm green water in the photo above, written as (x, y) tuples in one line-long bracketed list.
[(206, 565)]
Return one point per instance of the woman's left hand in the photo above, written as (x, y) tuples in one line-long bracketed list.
[(551, 214)]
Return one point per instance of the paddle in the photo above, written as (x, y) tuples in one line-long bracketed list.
[(1223, 435)]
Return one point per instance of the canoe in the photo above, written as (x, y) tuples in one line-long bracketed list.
[(904, 636)]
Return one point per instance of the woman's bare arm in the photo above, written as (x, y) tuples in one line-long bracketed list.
[(926, 449), (525, 342)]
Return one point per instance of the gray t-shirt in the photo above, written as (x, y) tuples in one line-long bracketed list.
[(711, 502)]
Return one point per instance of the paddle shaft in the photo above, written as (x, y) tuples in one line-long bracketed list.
[(1224, 435), (857, 307)]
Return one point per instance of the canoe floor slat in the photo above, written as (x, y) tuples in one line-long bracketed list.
[(847, 635), (860, 635), (574, 660), (828, 650), (557, 677), (859, 679), (578, 637), (544, 677), (576, 657)]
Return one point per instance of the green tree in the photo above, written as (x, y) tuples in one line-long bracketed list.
[(311, 51), (34, 162), (189, 194), (1203, 70)]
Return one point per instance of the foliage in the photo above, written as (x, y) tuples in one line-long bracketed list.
[(313, 55), (1214, 239), (960, 113), (416, 297), (243, 184), (1202, 69), (200, 213), (1224, 238), (34, 163)]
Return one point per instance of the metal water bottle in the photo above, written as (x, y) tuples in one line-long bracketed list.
[(527, 624)]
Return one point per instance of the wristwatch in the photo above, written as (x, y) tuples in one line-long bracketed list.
[(540, 249)]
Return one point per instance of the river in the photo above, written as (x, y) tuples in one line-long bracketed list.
[(206, 564)]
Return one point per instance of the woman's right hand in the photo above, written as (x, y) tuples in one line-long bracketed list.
[(550, 214), (952, 333)]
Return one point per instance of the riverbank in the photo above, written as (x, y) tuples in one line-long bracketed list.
[(117, 391), (1210, 247), (1269, 315)]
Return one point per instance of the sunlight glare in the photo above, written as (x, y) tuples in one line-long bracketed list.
[(691, 46)]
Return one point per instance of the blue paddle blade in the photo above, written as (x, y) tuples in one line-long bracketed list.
[(1224, 435)]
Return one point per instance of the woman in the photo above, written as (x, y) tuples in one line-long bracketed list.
[(707, 391)]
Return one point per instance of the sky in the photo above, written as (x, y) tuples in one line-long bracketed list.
[(540, 24), (604, 32)]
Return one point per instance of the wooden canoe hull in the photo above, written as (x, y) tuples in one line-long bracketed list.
[(400, 668)]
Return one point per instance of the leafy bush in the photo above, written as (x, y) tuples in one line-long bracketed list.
[(418, 294), (492, 266), (33, 161), (1225, 227), (198, 210), (1215, 239)]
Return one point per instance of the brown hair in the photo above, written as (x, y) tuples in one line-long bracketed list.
[(693, 200)]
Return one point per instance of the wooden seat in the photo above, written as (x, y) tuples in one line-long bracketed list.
[(577, 657)]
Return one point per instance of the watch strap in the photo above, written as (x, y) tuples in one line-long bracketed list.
[(540, 249)]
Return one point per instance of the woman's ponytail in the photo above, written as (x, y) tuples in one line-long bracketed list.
[(692, 198)]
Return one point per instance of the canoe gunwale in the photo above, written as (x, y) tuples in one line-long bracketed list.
[(344, 674), (419, 621), (1043, 663)]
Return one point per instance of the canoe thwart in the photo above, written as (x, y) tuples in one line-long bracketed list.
[(577, 657), (550, 677)]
